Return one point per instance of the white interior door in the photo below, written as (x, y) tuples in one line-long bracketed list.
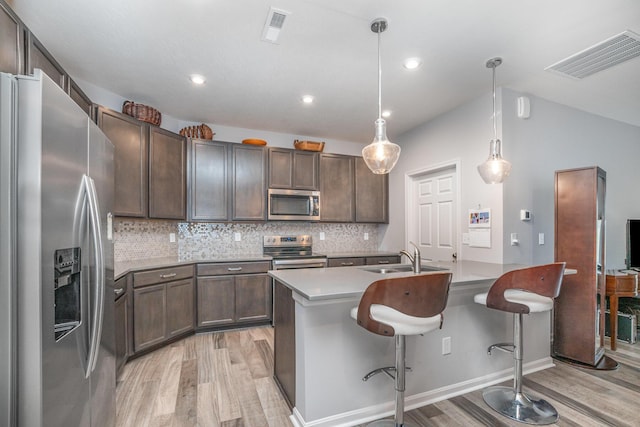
[(432, 213)]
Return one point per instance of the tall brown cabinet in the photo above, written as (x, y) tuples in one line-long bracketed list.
[(578, 325)]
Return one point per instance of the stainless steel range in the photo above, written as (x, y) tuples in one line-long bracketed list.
[(289, 252)]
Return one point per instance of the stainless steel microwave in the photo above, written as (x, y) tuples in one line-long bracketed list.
[(294, 205)]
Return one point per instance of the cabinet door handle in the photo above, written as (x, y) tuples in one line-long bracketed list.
[(118, 291), (383, 262), (234, 268), (167, 276), (346, 264)]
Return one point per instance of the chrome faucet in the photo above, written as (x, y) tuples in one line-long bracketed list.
[(415, 259)]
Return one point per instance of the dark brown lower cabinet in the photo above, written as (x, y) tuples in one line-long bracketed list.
[(161, 312), (233, 293), (121, 316), (149, 313), (369, 260), (253, 298), (284, 352), (180, 307), (229, 300), (216, 301), (377, 260)]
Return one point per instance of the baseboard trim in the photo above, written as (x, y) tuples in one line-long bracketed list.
[(370, 413)]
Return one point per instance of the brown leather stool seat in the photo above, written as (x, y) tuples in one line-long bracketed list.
[(523, 291), (399, 307)]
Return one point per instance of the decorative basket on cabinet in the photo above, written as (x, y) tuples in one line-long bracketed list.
[(142, 112), (202, 132)]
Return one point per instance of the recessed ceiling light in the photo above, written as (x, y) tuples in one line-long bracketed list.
[(197, 79), (307, 99), (386, 113), (412, 63)]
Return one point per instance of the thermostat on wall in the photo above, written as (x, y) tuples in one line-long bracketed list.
[(525, 215)]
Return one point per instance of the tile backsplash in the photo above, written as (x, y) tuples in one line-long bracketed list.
[(138, 239)]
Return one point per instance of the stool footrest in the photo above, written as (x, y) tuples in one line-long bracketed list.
[(507, 347), (387, 370)]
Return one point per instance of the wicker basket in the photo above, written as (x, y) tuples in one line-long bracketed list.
[(308, 145), (202, 132), (142, 112)]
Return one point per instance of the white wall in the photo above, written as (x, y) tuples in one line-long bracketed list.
[(462, 134), (557, 137), (226, 133)]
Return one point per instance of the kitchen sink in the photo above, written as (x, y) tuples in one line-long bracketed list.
[(401, 269)]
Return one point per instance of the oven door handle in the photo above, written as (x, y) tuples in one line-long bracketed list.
[(299, 263)]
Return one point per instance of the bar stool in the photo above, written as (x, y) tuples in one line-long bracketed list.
[(527, 290), (399, 307)]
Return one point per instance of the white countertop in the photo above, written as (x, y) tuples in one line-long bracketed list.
[(348, 282)]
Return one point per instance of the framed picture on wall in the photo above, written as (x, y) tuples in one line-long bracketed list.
[(480, 218)]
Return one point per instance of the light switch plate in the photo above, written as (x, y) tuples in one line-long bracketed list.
[(322, 235), (366, 236), (172, 237), (541, 238), (237, 237)]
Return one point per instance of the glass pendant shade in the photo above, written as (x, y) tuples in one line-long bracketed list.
[(381, 155), (495, 169)]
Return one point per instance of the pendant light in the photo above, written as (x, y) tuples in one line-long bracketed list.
[(495, 169), (381, 155)]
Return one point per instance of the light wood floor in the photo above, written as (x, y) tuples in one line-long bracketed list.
[(224, 379)]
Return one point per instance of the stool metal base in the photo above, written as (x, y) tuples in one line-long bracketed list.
[(519, 406)]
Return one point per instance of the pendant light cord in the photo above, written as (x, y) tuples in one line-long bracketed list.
[(379, 75), (495, 119)]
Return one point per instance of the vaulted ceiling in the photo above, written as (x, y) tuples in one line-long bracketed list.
[(145, 50)]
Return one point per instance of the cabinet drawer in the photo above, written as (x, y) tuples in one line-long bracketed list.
[(226, 268), (345, 262), (161, 275), (375, 260)]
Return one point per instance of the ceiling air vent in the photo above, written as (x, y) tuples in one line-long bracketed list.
[(604, 55), (274, 24)]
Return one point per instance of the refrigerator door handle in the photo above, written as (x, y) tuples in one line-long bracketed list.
[(98, 297)]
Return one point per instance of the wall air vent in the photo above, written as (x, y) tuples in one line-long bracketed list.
[(274, 24), (604, 55)]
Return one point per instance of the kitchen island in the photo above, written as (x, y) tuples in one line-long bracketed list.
[(321, 354)]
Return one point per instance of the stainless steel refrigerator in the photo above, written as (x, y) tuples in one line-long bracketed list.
[(56, 260)]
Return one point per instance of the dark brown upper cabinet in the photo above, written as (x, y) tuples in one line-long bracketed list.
[(130, 138), (208, 180), (167, 174), (293, 169), (372, 192), (337, 188), (248, 183), (80, 98), (11, 41), (39, 57)]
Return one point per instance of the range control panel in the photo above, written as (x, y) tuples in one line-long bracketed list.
[(287, 241)]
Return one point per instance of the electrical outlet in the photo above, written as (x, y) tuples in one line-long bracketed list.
[(446, 345), (366, 236), (465, 238), (172, 237), (541, 238), (322, 235), (237, 237)]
